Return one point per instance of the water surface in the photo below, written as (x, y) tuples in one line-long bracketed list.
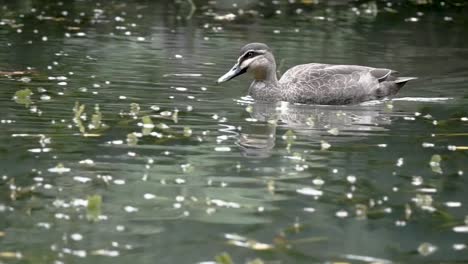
[(116, 102)]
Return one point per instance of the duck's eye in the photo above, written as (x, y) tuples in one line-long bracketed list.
[(250, 54)]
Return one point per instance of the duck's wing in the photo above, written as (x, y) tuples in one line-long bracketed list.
[(335, 84)]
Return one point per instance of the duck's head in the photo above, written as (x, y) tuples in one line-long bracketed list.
[(255, 58)]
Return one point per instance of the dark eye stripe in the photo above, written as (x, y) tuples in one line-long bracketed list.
[(248, 55)]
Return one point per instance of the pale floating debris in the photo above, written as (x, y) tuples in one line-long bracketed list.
[(400, 223), (76, 237), (464, 119), (412, 19), (426, 249), (59, 169), (382, 145), (62, 216), (149, 196), (39, 150), (86, 161), (166, 113), (251, 120), (435, 163), (222, 149), (141, 39), (45, 97), (459, 246), (452, 147), (44, 225), (417, 180), (453, 204), (427, 145), (120, 228), (342, 214), (461, 229), (116, 142), (324, 145), (310, 191), (334, 131), (309, 209), (122, 97), (79, 202), (221, 203), (318, 181), (351, 179), (62, 83), (119, 182), (82, 179), (411, 118), (106, 253), (162, 126), (226, 17), (178, 56), (155, 108), (179, 181), (183, 75), (130, 209)]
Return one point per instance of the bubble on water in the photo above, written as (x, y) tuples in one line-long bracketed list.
[(427, 249)]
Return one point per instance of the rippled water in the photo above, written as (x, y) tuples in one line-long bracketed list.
[(118, 147)]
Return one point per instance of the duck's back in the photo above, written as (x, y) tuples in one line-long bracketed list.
[(337, 84)]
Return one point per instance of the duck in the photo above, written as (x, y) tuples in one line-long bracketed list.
[(312, 83)]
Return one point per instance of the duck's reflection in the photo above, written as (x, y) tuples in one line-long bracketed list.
[(343, 123)]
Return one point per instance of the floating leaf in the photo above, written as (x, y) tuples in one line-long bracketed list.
[(224, 258), (334, 131), (78, 111), (94, 207), (187, 131), (96, 118), (147, 125), (23, 97), (132, 139), (134, 109)]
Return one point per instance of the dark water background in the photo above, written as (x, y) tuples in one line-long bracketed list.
[(187, 170)]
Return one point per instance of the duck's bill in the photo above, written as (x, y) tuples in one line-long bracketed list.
[(235, 71)]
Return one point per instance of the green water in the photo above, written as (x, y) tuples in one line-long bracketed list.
[(118, 147)]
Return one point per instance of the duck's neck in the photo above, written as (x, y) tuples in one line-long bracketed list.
[(265, 87)]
